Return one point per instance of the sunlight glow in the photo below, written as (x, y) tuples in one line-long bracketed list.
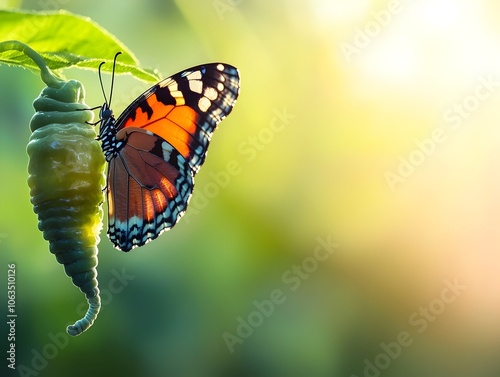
[(394, 59), (441, 35), (442, 14)]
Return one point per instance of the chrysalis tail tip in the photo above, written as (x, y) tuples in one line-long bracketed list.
[(86, 322), (73, 330)]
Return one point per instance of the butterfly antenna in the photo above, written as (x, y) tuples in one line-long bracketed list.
[(113, 77), (102, 86)]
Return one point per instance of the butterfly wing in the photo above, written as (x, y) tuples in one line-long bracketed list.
[(164, 135)]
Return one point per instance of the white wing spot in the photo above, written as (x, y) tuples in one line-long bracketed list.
[(220, 87), (220, 67), (204, 103), (196, 75), (176, 93), (211, 93), (196, 86), (172, 86)]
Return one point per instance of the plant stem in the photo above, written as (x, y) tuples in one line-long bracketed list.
[(47, 76)]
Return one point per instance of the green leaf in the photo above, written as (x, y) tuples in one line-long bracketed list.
[(66, 40)]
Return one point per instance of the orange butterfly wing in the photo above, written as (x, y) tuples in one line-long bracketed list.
[(162, 140)]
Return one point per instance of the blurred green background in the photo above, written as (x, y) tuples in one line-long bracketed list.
[(390, 149)]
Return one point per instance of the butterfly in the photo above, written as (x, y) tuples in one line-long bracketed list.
[(157, 145)]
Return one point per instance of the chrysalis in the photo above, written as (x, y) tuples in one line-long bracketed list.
[(66, 167)]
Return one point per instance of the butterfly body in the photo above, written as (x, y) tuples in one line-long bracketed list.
[(157, 145), (107, 133)]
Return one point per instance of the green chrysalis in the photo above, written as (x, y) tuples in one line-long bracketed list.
[(66, 168), (66, 178)]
